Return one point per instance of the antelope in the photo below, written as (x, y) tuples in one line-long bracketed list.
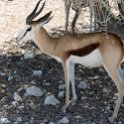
[(76, 5), (90, 49)]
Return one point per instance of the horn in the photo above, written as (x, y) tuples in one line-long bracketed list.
[(29, 19)]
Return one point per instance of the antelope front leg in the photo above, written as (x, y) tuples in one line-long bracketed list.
[(71, 78), (67, 86), (116, 109)]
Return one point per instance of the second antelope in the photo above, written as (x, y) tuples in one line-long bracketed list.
[(91, 50)]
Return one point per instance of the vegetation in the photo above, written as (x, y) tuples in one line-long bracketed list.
[(108, 16)]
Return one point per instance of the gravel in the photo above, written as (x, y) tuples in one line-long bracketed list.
[(23, 67)]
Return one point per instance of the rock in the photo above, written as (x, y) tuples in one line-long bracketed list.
[(83, 85), (37, 73), (17, 97), (60, 82), (51, 100), (14, 103), (28, 55), (47, 84), (4, 121), (19, 90), (10, 78), (61, 86), (108, 108), (2, 74), (51, 123), (64, 120), (105, 90), (19, 119), (33, 82), (21, 107), (78, 117), (34, 91), (83, 98), (61, 94)]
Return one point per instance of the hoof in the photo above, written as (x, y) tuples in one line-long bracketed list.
[(110, 120), (73, 102), (64, 108)]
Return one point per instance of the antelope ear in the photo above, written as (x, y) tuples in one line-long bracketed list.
[(23, 33), (45, 19)]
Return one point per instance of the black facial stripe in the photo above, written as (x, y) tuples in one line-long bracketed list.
[(29, 29)]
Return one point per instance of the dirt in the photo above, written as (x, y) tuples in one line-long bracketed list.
[(17, 73)]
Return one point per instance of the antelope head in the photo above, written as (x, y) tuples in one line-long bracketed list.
[(31, 24)]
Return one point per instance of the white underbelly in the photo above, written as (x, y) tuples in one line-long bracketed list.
[(91, 60)]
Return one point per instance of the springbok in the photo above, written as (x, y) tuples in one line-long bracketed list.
[(90, 49)]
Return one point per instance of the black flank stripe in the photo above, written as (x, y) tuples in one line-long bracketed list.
[(84, 51)]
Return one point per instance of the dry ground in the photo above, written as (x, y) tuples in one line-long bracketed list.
[(16, 73)]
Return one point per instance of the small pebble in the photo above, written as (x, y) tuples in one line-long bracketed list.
[(37, 73), (83, 85), (105, 90), (51, 123), (51, 100), (19, 119), (4, 121), (34, 91), (61, 86), (33, 82), (17, 97), (10, 78), (64, 120), (61, 94), (28, 55), (83, 98)]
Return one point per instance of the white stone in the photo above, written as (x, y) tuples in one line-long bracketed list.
[(10, 78), (2, 74), (34, 91), (19, 119), (37, 73), (28, 55), (47, 84), (20, 107), (64, 120), (61, 94), (82, 85), (14, 103), (51, 100), (83, 98), (17, 97), (61, 86), (51, 123), (4, 121), (105, 90), (33, 82), (19, 89)]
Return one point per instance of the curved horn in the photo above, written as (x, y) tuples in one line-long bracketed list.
[(34, 14)]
